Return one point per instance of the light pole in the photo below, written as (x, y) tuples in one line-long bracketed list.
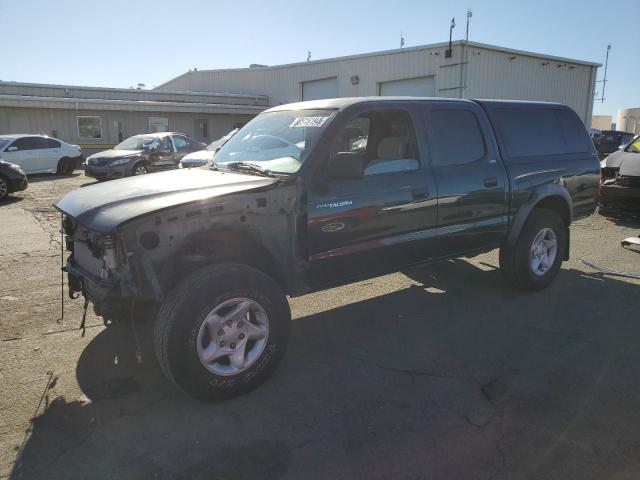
[(448, 53)]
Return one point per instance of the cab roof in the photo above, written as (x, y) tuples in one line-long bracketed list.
[(342, 103)]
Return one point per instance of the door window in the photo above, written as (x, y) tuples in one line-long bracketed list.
[(181, 143), (52, 143), (24, 143), (39, 143), (385, 138), (165, 144), (457, 138)]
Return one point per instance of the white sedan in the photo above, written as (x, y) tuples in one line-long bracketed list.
[(40, 154)]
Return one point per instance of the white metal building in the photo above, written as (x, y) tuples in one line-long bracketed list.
[(474, 70)]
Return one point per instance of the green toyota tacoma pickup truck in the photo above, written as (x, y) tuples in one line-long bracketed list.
[(318, 194)]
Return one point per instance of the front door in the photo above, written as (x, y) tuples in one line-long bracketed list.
[(163, 156), (24, 152), (472, 182), (382, 221)]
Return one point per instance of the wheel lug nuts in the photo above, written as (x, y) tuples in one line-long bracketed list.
[(222, 344), (220, 332), (241, 336), (233, 345)]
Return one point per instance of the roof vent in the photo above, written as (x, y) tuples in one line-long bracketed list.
[(258, 65)]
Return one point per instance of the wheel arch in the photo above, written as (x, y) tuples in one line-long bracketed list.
[(223, 246), (552, 197)]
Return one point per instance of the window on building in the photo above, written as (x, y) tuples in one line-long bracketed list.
[(158, 124), (89, 127), (457, 138)]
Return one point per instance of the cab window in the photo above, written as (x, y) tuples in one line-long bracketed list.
[(386, 140)]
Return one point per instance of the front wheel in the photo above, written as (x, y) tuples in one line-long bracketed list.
[(534, 261), (140, 169), (4, 188), (222, 331)]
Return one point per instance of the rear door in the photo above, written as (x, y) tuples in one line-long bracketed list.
[(184, 145), (382, 221), (471, 180), (49, 153)]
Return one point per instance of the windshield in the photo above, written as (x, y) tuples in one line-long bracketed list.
[(213, 146), (137, 142), (634, 146), (3, 143), (276, 141)]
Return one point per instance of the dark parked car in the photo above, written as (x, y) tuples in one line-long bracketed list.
[(620, 180), (12, 179), (141, 154), (321, 193), (608, 141)]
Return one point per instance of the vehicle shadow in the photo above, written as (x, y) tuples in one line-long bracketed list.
[(452, 376), (10, 199), (45, 177), (622, 218)]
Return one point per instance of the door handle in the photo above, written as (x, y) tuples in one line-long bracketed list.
[(419, 193), (490, 182)]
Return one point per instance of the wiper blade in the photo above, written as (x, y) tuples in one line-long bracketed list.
[(252, 167)]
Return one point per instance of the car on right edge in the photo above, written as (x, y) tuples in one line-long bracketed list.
[(620, 178)]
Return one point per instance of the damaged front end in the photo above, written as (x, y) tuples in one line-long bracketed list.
[(97, 267)]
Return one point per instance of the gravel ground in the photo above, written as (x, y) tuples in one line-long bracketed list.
[(439, 373)]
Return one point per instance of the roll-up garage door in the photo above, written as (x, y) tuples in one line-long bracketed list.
[(318, 89), (414, 87)]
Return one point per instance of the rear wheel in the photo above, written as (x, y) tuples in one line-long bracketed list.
[(534, 261), (222, 331), (65, 166), (4, 188), (140, 169)]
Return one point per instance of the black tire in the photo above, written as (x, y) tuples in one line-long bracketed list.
[(515, 261), (183, 312), (4, 188), (65, 166), (140, 166)]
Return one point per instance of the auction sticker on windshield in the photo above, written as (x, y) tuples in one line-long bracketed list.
[(308, 122)]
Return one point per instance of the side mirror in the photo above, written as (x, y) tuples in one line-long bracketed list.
[(12, 149), (346, 166)]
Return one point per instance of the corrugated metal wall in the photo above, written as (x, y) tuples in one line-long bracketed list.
[(498, 75), (492, 73)]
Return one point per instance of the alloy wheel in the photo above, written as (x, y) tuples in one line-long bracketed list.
[(232, 336), (543, 251)]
